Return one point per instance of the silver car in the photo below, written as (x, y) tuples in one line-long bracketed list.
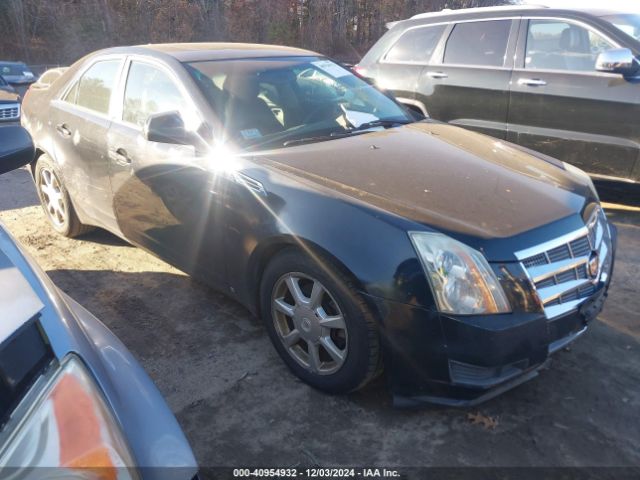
[(74, 403)]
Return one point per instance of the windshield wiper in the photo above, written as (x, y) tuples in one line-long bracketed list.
[(322, 138), (380, 123), (360, 129)]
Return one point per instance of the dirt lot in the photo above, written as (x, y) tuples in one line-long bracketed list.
[(240, 406)]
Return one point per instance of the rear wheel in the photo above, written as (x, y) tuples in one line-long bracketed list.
[(55, 199), (319, 323)]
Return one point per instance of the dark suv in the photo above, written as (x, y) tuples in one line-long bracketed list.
[(563, 82)]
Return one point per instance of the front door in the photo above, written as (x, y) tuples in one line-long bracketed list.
[(162, 195), (561, 106)]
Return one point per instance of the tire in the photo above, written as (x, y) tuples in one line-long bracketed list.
[(348, 358), (55, 199)]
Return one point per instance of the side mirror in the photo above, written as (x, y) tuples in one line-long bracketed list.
[(167, 127), (16, 148), (618, 60)]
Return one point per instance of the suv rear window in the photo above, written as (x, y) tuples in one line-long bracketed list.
[(415, 45), (478, 43)]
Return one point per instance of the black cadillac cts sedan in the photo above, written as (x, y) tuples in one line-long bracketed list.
[(363, 238)]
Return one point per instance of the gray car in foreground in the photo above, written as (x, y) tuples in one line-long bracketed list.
[(74, 403)]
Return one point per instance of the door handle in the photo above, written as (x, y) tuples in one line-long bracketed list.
[(532, 82), (437, 75), (63, 130), (120, 156)]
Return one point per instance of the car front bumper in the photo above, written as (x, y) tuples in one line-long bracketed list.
[(462, 361)]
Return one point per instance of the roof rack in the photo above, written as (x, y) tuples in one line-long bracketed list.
[(448, 11)]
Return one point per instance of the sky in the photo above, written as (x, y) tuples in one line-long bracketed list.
[(629, 5)]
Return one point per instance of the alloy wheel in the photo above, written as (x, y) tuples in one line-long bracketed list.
[(53, 197), (310, 324)]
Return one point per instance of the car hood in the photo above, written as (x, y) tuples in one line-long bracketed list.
[(8, 97), (456, 181), (19, 79)]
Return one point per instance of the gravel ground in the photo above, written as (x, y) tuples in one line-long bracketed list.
[(240, 406)]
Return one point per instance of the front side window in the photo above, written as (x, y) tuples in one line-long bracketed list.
[(94, 89), (149, 91), (291, 100), (478, 43), (415, 45), (559, 45)]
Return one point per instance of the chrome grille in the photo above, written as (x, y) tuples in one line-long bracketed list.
[(10, 111), (560, 269)]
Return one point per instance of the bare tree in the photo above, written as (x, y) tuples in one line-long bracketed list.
[(60, 31)]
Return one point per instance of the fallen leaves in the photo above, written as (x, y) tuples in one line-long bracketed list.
[(489, 423)]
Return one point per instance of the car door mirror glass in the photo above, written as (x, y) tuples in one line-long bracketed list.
[(618, 60), (167, 127), (16, 148)]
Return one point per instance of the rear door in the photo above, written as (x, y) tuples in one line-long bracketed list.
[(81, 119), (398, 69), (162, 193), (467, 83), (561, 106)]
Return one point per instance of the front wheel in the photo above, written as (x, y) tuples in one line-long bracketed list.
[(319, 323)]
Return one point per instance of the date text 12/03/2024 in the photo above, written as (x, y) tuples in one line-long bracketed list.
[(315, 473)]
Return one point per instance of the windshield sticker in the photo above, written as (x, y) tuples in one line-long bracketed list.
[(357, 119), (333, 69), (250, 133)]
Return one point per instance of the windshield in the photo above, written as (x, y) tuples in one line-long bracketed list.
[(628, 23), (283, 101), (12, 68)]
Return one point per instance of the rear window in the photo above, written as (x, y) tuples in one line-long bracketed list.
[(478, 43), (50, 76), (415, 45)]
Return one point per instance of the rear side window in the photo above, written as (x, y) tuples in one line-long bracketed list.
[(415, 45), (94, 89), (72, 94), (558, 45), (149, 91), (478, 43)]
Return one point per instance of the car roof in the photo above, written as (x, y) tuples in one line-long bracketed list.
[(448, 15), (2, 62), (194, 52)]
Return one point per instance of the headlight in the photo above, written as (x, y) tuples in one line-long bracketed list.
[(68, 426), (460, 277)]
